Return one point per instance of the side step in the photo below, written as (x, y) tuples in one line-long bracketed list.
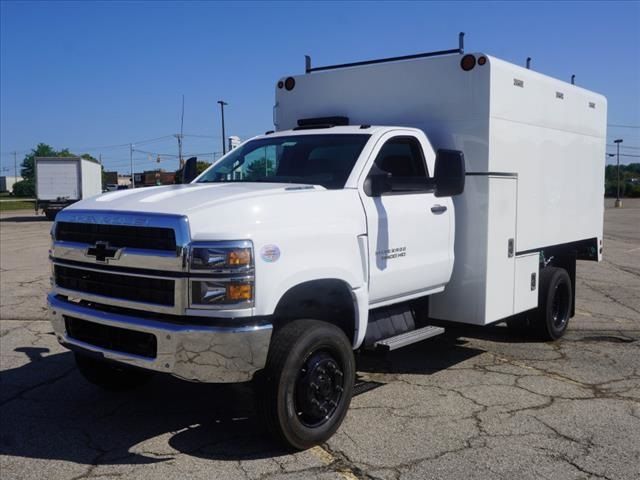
[(408, 338)]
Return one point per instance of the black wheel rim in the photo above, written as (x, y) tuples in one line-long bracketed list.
[(560, 306), (319, 388)]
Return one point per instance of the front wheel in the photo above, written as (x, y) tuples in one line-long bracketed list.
[(307, 384)]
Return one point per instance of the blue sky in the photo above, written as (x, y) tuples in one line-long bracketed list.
[(90, 74)]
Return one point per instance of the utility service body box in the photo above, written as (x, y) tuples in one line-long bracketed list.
[(534, 150)]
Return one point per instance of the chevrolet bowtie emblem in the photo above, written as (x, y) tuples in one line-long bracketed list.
[(102, 252)]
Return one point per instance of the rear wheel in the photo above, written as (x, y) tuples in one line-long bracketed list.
[(554, 303), (50, 214), (306, 386), (110, 376)]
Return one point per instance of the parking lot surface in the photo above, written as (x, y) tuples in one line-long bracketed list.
[(476, 403)]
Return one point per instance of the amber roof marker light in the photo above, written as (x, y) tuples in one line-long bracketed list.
[(468, 62)]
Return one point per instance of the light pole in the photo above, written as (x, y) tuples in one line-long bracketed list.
[(224, 145), (618, 203)]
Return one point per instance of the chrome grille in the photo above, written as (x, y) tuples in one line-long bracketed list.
[(150, 238), (125, 287)]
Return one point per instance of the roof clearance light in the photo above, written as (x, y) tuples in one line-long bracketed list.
[(468, 62), (290, 83), (280, 84), (482, 60)]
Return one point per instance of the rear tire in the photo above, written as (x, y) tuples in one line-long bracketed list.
[(555, 299), (50, 214), (110, 376), (306, 386)]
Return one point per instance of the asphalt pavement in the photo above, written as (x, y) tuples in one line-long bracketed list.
[(476, 403)]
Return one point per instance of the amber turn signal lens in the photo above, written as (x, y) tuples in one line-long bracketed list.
[(241, 256), (468, 62), (239, 292)]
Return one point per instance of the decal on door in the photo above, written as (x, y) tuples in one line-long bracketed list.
[(391, 253)]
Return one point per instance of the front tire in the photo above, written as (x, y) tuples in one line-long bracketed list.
[(554, 303), (110, 376), (306, 386)]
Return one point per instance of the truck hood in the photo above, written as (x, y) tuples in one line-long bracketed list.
[(185, 199), (224, 211)]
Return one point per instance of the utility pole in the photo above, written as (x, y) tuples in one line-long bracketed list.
[(224, 143), (618, 203), (15, 165), (133, 177), (180, 135)]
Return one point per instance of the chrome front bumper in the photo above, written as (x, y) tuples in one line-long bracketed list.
[(192, 352)]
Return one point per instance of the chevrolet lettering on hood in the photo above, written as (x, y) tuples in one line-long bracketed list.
[(109, 220)]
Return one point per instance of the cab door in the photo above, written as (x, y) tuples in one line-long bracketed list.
[(409, 231)]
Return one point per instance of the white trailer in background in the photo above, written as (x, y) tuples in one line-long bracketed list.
[(61, 181)]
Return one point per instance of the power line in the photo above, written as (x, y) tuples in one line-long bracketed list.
[(622, 126), (629, 155), (624, 146)]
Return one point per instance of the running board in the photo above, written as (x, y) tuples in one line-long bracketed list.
[(408, 338)]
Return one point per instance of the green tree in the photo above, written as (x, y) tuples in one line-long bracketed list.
[(260, 168)]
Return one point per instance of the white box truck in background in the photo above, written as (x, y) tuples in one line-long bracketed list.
[(394, 197), (61, 181)]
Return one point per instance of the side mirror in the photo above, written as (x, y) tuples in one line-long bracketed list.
[(190, 170), (377, 183), (449, 173)]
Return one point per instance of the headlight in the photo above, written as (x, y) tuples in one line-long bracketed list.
[(223, 256), (225, 277), (212, 293)]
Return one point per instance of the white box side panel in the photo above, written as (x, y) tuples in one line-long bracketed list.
[(503, 192), (526, 282), (553, 135), (91, 179), (57, 179), (464, 297)]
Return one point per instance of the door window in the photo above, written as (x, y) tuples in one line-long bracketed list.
[(402, 157)]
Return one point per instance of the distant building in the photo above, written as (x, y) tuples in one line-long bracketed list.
[(152, 178), (6, 183), (110, 178)]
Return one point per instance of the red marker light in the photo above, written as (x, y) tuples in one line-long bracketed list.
[(468, 62)]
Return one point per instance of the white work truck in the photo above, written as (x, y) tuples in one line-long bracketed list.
[(394, 196)]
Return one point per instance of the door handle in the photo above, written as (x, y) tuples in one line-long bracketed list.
[(438, 209)]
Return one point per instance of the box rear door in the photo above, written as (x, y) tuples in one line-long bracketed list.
[(58, 179)]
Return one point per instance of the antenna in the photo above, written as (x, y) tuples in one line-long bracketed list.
[(573, 79), (528, 63)]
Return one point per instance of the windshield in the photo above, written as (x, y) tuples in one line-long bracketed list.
[(324, 160)]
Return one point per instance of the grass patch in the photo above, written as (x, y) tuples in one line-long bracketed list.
[(16, 205)]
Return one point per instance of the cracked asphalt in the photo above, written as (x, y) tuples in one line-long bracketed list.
[(476, 403)]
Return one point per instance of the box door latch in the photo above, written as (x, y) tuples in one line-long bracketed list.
[(510, 248)]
